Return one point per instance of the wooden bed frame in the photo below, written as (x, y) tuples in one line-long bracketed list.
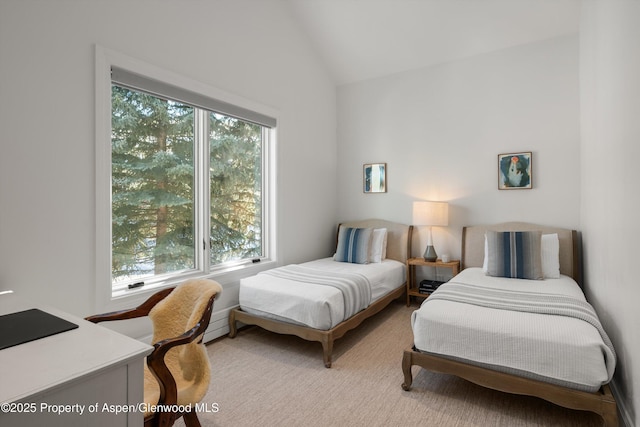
[(601, 402), (398, 248)]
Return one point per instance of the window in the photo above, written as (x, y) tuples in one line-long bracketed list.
[(188, 181), (152, 187)]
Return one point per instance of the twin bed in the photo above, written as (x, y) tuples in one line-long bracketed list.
[(533, 337), (514, 334), (323, 299)]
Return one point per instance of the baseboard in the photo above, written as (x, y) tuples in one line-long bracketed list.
[(218, 326), (623, 412)]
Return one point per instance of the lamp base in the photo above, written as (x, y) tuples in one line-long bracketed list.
[(430, 254)]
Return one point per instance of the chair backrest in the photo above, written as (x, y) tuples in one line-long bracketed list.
[(177, 313), (182, 308)]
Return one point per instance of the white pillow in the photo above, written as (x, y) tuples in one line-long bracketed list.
[(550, 251), (384, 244), (485, 263), (378, 245), (551, 256)]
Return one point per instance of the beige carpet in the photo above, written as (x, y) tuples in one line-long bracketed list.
[(261, 378)]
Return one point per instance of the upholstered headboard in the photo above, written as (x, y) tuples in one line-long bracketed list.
[(398, 236), (570, 261)]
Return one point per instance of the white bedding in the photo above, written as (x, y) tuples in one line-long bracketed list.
[(553, 348), (316, 306)]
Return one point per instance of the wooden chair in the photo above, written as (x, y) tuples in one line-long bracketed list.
[(177, 371)]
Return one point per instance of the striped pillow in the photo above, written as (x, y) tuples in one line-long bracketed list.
[(354, 245), (515, 254)]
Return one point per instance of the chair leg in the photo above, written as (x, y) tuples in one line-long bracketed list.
[(191, 419)]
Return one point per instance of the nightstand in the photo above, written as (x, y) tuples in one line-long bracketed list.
[(412, 289)]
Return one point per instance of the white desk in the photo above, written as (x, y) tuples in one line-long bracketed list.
[(81, 368)]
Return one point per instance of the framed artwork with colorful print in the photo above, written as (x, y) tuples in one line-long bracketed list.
[(514, 171)]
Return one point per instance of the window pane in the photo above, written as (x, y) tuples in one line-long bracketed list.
[(236, 189), (152, 185)]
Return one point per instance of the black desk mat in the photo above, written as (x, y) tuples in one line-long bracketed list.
[(29, 325)]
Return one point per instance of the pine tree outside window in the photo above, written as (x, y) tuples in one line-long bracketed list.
[(188, 194)]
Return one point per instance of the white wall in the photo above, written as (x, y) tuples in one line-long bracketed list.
[(440, 130), (610, 89), (252, 49)]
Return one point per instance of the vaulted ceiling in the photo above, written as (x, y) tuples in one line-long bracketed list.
[(364, 39)]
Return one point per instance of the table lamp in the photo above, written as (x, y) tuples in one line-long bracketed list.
[(431, 214)]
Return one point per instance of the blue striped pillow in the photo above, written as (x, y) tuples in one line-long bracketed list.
[(514, 254), (354, 245)]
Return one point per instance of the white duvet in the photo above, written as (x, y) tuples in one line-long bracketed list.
[(561, 350), (315, 305)]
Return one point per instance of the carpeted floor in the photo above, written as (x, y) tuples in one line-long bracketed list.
[(261, 378)]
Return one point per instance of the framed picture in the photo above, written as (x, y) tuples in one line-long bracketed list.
[(375, 178), (514, 171)]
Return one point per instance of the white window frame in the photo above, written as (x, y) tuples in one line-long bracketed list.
[(106, 299)]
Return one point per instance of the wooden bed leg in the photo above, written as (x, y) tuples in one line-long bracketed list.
[(327, 349), (610, 418), (609, 408), (233, 330), (407, 362)]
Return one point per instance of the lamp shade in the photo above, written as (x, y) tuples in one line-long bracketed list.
[(431, 213)]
